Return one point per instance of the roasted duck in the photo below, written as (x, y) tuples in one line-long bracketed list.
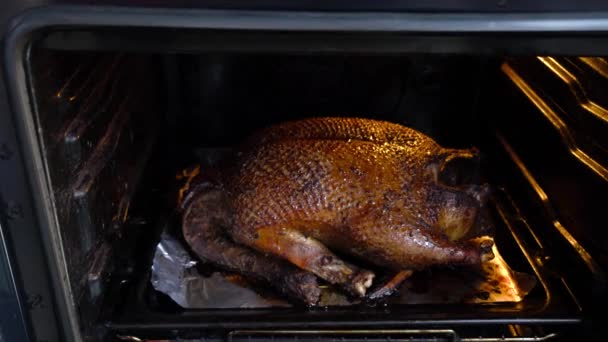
[(297, 193)]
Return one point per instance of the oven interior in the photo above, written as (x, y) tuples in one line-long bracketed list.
[(115, 127)]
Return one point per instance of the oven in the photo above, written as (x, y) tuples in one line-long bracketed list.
[(109, 108)]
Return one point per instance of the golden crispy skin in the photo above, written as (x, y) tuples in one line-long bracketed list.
[(336, 128), (377, 201)]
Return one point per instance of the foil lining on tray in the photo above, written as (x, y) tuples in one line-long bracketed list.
[(176, 273)]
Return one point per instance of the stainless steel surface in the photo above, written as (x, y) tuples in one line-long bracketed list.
[(29, 258), (12, 317)]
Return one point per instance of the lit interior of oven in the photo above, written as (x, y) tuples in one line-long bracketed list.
[(119, 133)]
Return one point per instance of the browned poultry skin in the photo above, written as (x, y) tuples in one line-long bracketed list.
[(365, 188), (204, 220)]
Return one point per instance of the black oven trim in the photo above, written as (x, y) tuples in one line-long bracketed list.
[(582, 33)]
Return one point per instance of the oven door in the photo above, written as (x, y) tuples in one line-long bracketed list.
[(32, 234)]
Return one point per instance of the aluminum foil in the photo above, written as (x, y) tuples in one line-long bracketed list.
[(176, 273)]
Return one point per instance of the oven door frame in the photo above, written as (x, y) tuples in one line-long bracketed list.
[(225, 30)]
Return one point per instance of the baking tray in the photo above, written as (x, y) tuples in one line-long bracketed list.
[(136, 308)]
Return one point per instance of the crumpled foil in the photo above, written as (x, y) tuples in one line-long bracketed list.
[(176, 273)]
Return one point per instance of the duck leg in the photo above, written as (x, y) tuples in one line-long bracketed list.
[(311, 255), (389, 287), (203, 226)]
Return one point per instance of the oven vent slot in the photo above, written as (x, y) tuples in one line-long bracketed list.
[(413, 335)]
